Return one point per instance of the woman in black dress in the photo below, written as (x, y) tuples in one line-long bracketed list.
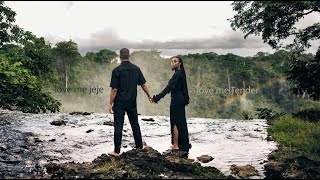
[(179, 99)]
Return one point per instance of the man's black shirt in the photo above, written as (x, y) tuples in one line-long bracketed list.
[(125, 79)]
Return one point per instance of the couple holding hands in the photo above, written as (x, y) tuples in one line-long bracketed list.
[(123, 96)]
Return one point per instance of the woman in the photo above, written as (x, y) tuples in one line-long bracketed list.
[(179, 99)]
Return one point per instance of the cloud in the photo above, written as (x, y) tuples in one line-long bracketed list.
[(109, 39), (68, 4)]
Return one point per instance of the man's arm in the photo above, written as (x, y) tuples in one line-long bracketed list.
[(113, 95), (146, 90)]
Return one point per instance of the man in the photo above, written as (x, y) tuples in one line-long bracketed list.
[(123, 98)]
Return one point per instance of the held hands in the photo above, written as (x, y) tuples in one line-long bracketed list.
[(154, 99), (150, 99)]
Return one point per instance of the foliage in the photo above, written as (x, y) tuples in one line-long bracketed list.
[(246, 115), (294, 132), (103, 56), (24, 67), (266, 113), (311, 115), (305, 75), (65, 55), (275, 21), (21, 90)]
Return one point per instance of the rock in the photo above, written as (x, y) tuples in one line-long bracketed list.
[(89, 131), (103, 159), (52, 140), (176, 153), (80, 113), (3, 147), (58, 123), (243, 171), (205, 158), (109, 123), (150, 119), (133, 145), (257, 130), (273, 170), (179, 160), (36, 140), (8, 159), (269, 138), (122, 174), (144, 163)]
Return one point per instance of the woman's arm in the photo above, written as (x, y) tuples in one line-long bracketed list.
[(171, 85)]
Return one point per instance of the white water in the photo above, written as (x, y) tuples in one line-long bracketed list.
[(228, 141)]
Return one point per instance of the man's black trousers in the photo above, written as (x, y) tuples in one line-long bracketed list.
[(119, 113)]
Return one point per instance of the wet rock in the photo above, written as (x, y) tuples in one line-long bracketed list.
[(52, 140), (9, 159), (3, 147), (269, 138), (149, 119), (80, 113), (89, 131), (109, 123), (243, 171), (205, 158), (77, 146), (258, 130), (58, 123), (36, 140), (17, 150)]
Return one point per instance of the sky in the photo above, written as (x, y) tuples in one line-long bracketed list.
[(171, 27)]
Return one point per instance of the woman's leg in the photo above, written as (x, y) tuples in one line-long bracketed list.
[(183, 129), (175, 144), (174, 129)]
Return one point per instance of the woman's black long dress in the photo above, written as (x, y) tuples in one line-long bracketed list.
[(179, 99)]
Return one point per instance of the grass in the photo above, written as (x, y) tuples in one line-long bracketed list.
[(297, 133)]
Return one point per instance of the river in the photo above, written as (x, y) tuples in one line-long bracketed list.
[(29, 140)]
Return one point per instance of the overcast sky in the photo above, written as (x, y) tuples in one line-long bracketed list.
[(171, 27)]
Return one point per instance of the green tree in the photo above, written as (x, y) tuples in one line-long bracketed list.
[(23, 66), (66, 54), (10, 32), (305, 75), (21, 90), (103, 56), (275, 21)]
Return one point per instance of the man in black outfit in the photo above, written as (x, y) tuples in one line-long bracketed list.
[(123, 98)]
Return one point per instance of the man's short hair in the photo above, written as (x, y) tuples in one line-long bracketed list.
[(124, 53)]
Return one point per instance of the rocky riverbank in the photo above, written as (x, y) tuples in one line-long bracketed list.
[(17, 152), (146, 163), (289, 163), (298, 153)]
